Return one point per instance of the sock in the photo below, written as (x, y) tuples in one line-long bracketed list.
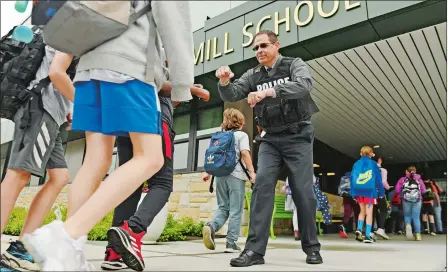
[(368, 229), (432, 226), (360, 225), (79, 244)]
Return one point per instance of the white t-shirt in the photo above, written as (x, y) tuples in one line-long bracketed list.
[(241, 143)]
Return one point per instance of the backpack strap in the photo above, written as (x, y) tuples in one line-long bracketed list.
[(210, 189), (140, 13)]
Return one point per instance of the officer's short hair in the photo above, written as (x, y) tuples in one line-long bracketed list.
[(271, 35), (232, 119)]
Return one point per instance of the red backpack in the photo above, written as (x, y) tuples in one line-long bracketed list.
[(396, 199)]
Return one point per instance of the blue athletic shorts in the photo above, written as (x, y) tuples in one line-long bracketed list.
[(116, 108)]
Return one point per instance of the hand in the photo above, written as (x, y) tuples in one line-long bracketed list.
[(198, 86), (252, 177), (224, 74), (69, 120), (205, 176), (284, 188), (254, 97), (200, 92)]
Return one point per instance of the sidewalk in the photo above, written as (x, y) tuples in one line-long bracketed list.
[(284, 254)]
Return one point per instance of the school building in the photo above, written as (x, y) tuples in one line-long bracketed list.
[(379, 70)]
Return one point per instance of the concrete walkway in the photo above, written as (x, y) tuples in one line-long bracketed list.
[(284, 254)]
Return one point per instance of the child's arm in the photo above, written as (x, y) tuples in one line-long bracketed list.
[(244, 148), (177, 39), (59, 77), (196, 90), (399, 185)]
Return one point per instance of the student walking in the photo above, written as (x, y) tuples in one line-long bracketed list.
[(366, 186), (115, 96), (230, 189), (37, 148)]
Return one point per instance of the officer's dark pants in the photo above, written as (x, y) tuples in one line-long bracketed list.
[(295, 150)]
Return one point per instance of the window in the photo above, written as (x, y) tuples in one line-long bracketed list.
[(209, 118), (180, 156), (202, 146), (209, 121), (182, 126)]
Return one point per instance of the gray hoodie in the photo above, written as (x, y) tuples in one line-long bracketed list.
[(127, 54)]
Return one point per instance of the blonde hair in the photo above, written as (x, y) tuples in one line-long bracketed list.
[(367, 151), (232, 119)]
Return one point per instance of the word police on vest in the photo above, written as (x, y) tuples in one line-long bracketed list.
[(271, 84)]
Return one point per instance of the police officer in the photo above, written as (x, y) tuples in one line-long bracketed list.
[(279, 91)]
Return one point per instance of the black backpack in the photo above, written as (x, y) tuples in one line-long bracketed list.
[(19, 63)]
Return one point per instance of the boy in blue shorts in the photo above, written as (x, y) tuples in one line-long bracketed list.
[(114, 98)]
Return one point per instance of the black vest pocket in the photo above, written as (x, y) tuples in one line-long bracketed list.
[(274, 115)]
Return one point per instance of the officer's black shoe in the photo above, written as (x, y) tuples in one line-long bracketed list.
[(247, 258), (314, 258)]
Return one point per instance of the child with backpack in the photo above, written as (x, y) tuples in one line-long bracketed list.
[(230, 178), (366, 187), (37, 147), (127, 217), (411, 188), (115, 96)]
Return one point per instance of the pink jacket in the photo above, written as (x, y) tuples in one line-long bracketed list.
[(384, 178), (400, 182)]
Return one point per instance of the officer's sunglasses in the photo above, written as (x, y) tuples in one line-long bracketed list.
[(261, 45)]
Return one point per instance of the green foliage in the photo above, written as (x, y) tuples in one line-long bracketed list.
[(175, 230), (178, 230)]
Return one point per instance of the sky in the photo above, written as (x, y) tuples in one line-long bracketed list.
[(10, 17)]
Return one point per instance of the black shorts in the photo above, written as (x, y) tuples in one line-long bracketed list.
[(427, 208)]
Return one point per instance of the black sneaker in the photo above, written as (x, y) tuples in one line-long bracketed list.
[(358, 236), (369, 240), (232, 248), (16, 256), (314, 258), (208, 236)]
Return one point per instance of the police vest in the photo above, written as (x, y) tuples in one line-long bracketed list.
[(276, 114)]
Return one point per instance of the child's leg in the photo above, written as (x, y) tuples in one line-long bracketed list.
[(222, 197), (12, 185), (362, 216), (236, 205), (221, 214), (97, 160), (147, 160), (45, 198), (415, 214), (369, 219)]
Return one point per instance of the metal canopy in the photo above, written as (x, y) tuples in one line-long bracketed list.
[(390, 93)]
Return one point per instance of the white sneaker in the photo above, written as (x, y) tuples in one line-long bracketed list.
[(382, 233), (51, 247)]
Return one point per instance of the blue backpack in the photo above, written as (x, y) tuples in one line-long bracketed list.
[(220, 156), (344, 185), (363, 177)]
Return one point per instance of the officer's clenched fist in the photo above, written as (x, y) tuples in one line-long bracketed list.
[(224, 74)]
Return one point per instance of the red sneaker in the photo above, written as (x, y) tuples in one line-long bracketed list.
[(128, 244), (342, 231), (112, 260)]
